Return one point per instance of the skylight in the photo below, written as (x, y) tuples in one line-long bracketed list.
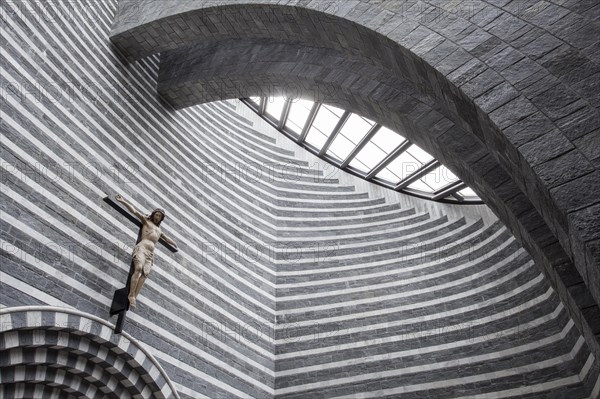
[(353, 131), (275, 107), (364, 148), (299, 113), (323, 126)]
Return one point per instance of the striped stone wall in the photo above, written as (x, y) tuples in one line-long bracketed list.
[(77, 125), (500, 91), (292, 280)]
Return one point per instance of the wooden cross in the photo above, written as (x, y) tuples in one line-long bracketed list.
[(120, 302)]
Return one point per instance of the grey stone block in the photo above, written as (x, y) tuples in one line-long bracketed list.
[(579, 193), (542, 46), (545, 148), (504, 58), (587, 221), (558, 102), (496, 97), (563, 168), (589, 145), (529, 129), (579, 123), (512, 112)]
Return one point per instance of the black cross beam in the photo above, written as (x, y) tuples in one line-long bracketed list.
[(120, 302)]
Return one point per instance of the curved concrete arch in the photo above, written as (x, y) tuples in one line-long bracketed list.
[(76, 353), (514, 83)]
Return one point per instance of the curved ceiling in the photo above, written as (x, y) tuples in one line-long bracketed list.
[(363, 148)]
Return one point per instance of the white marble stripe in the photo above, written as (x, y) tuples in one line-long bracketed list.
[(400, 281), (191, 309), (307, 270), (484, 377), (343, 220), (33, 260), (340, 245), (466, 325), (191, 393), (417, 305), (419, 319), (398, 271), (31, 291), (200, 374), (586, 367), (93, 189), (526, 389), (371, 264), (440, 365), (351, 224), (596, 390), (401, 294), (521, 328), (112, 9), (387, 227)]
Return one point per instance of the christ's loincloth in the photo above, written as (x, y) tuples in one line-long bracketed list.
[(145, 256)]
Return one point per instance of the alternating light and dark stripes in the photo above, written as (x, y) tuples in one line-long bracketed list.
[(44, 347), (290, 282)]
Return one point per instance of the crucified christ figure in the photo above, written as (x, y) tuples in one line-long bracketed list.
[(143, 252)]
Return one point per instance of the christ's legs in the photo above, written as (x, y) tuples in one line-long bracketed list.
[(140, 284), (138, 265)]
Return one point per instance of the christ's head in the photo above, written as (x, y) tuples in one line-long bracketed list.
[(157, 216)]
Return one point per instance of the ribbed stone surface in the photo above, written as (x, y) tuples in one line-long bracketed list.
[(464, 80), (59, 353), (292, 281)]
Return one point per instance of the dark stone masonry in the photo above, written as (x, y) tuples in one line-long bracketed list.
[(293, 280)]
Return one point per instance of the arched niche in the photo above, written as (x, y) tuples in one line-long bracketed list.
[(66, 353)]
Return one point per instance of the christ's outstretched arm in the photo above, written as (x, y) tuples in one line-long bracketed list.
[(131, 208), (169, 240)]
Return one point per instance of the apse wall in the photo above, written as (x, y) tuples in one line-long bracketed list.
[(293, 280), (78, 124)]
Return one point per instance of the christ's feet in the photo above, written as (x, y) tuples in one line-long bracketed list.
[(131, 302)]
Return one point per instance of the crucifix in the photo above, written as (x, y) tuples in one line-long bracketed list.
[(142, 257)]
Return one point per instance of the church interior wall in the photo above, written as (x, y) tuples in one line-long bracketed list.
[(292, 280)]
